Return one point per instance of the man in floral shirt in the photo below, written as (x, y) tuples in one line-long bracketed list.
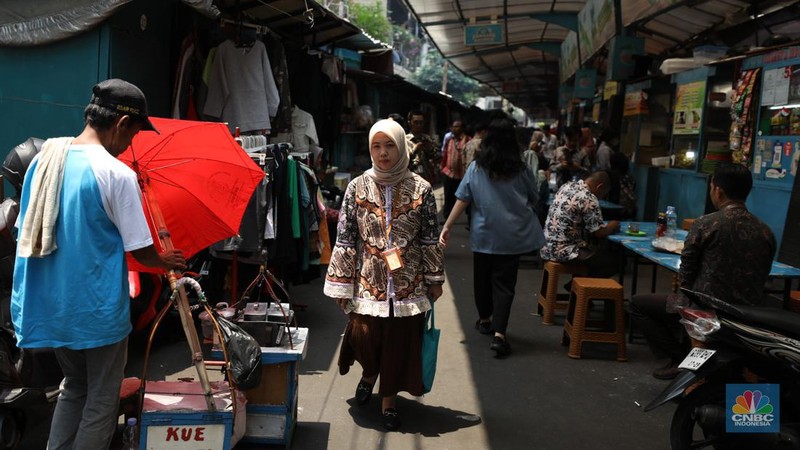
[(574, 219)]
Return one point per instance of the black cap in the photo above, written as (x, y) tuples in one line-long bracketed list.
[(124, 98)]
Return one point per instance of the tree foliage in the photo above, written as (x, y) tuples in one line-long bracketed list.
[(372, 19), (429, 77)]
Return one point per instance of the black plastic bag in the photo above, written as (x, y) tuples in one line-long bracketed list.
[(244, 354)]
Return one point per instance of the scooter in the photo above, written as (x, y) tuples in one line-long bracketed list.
[(740, 345), (29, 379)]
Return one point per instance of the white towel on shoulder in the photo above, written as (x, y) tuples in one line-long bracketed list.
[(38, 235)]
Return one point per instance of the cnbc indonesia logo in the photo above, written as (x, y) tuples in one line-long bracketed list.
[(751, 411)]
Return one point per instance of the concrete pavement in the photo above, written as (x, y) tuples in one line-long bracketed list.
[(537, 398)]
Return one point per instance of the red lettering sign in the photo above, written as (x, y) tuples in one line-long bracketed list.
[(186, 434)]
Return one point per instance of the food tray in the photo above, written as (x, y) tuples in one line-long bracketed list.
[(668, 245)]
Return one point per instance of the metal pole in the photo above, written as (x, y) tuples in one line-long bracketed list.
[(182, 300), (444, 75)]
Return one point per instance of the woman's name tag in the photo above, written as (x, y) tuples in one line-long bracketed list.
[(393, 259)]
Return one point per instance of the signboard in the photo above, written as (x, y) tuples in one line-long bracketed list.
[(621, 64), (485, 34), (585, 80), (689, 101), (775, 87), (635, 103), (189, 437), (610, 89), (596, 26), (568, 63)]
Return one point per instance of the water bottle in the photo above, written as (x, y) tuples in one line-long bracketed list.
[(672, 222), (130, 439)]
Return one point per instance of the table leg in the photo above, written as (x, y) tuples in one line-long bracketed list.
[(653, 279), (634, 274)]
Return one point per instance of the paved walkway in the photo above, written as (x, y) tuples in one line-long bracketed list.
[(538, 398)]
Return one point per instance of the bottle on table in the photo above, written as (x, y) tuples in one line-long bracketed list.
[(130, 439), (672, 222), (661, 224)]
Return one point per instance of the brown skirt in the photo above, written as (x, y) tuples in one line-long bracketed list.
[(390, 347)]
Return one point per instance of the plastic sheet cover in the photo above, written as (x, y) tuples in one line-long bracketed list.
[(25, 23)]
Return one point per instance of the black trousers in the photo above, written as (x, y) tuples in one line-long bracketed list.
[(649, 311), (495, 278), (450, 186)]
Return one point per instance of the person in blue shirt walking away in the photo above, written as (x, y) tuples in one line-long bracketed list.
[(80, 211), (502, 193)]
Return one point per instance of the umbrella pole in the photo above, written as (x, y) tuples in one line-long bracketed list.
[(182, 302)]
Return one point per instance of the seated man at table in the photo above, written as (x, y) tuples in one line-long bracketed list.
[(727, 254), (575, 222)]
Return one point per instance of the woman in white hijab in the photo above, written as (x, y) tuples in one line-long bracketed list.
[(385, 270)]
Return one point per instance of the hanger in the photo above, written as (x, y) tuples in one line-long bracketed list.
[(246, 33)]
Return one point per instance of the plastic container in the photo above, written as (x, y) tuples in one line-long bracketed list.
[(707, 53), (661, 225), (130, 440), (672, 222)]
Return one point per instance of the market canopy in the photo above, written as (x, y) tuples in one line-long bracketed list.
[(516, 46), (306, 22)]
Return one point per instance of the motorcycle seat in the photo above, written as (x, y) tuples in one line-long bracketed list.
[(776, 318)]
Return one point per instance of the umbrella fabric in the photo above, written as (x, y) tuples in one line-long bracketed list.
[(201, 178)]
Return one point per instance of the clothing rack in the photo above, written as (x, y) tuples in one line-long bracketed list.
[(260, 29)]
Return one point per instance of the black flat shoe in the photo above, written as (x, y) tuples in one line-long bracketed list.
[(363, 392), (391, 419), (483, 327), (500, 346)]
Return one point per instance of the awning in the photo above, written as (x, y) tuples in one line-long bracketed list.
[(304, 22)]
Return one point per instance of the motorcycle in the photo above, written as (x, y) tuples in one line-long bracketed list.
[(29, 379), (736, 345)]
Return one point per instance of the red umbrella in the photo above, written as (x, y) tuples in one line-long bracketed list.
[(196, 182), (200, 177)]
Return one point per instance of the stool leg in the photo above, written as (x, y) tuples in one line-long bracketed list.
[(541, 298), (578, 327), (550, 299)]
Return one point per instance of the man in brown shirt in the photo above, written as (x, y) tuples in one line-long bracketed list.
[(727, 254)]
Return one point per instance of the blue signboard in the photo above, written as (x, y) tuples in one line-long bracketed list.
[(486, 34)]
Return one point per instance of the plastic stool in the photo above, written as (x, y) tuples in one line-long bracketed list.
[(584, 290), (548, 299)]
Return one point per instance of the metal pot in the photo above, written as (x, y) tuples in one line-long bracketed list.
[(207, 325)]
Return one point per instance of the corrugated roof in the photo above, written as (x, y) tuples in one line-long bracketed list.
[(526, 64), (305, 22)]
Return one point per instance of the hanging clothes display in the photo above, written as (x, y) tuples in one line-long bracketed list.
[(304, 130), (280, 71), (241, 87)]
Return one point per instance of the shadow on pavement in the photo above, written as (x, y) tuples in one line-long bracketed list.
[(417, 418)]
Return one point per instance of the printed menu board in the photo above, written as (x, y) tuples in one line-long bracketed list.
[(689, 102), (775, 87)]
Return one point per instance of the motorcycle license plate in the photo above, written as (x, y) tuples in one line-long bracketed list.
[(696, 358)]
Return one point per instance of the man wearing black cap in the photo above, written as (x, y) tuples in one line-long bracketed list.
[(80, 211)]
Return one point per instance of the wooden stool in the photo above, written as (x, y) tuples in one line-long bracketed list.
[(548, 299), (584, 290)]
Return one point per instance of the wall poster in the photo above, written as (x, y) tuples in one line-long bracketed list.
[(689, 102)]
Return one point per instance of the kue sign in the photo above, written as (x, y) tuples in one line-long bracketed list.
[(186, 437)]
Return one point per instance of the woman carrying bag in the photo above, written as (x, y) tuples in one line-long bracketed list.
[(385, 266)]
